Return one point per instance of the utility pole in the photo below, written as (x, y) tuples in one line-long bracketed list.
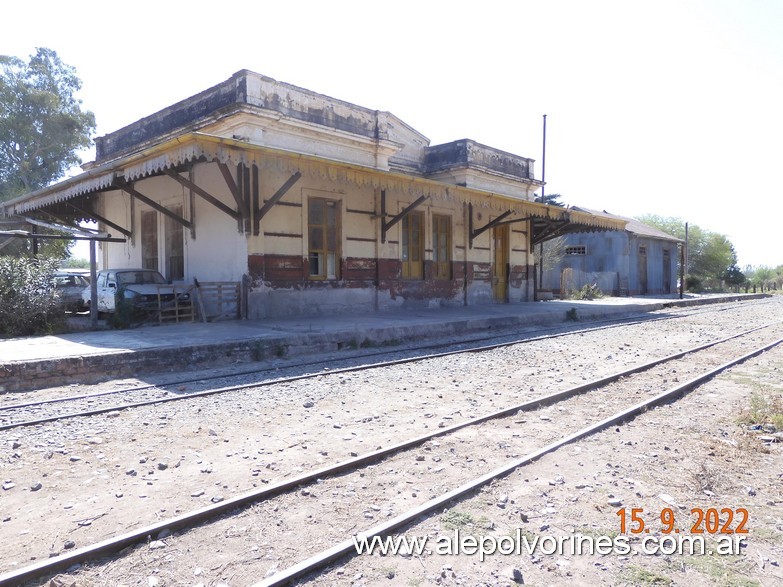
[(686, 248), (543, 201)]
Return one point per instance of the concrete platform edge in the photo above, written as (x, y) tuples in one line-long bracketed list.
[(93, 368)]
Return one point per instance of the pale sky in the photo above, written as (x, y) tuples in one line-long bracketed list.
[(669, 107)]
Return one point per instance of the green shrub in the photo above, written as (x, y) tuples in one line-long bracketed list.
[(693, 284), (28, 301), (588, 292)]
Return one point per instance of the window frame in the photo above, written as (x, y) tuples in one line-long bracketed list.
[(325, 250), (149, 240), (576, 250)]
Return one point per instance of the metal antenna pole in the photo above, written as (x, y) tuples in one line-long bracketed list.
[(543, 165)]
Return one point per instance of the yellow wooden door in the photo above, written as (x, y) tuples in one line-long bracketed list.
[(500, 264)]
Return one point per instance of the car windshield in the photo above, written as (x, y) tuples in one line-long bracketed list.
[(68, 280), (131, 277)]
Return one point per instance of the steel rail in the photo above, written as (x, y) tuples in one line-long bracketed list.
[(613, 323), (190, 519), (345, 548), (294, 378)]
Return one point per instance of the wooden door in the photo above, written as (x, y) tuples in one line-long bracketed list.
[(642, 269), (500, 263), (667, 271)]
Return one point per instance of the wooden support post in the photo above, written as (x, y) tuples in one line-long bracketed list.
[(244, 210), (682, 270), (93, 287), (243, 179), (383, 216), (255, 187)]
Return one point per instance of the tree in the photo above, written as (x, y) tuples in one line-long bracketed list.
[(42, 123), (551, 199), (714, 255), (42, 127), (779, 277), (763, 277), (710, 254), (734, 277)]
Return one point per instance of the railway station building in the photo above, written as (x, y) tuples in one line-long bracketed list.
[(310, 203)]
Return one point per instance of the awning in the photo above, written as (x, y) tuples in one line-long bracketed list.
[(193, 147)]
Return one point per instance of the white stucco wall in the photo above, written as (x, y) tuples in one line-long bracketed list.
[(217, 253)]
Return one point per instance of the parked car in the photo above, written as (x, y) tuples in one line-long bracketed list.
[(140, 289), (69, 286)]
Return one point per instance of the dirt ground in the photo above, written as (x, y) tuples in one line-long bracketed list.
[(699, 453)]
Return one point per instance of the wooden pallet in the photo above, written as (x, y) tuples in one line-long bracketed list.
[(181, 309), (219, 300)]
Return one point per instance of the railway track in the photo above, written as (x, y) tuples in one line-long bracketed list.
[(32, 413), (624, 388)]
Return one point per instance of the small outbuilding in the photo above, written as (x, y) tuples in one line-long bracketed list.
[(638, 260)]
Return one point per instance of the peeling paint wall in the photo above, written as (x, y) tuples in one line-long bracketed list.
[(612, 261), (276, 261)]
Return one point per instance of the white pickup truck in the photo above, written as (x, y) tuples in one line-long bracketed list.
[(140, 288)]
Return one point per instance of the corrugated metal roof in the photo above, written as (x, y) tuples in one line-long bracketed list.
[(634, 226)]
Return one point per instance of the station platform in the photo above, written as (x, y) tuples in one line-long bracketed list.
[(92, 356)]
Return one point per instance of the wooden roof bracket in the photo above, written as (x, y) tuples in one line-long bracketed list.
[(550, 231), (134, 193), (100, 218), (514, 221), (196, 189), (62, 237), (385, 226), (278, 195), (62, 226), (478, 231)]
